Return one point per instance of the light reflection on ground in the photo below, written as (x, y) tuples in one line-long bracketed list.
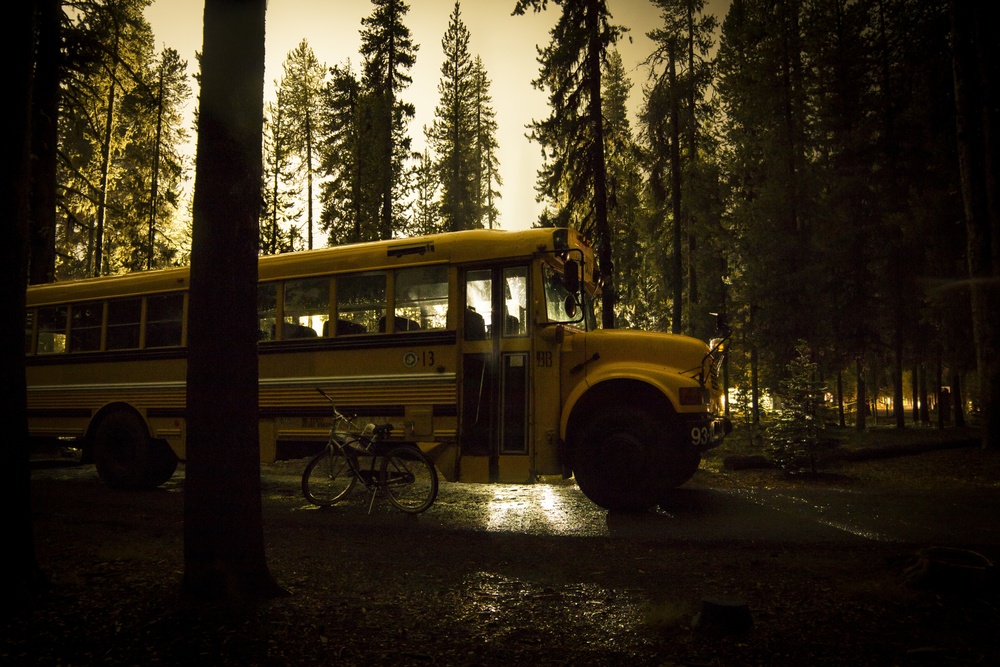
[(512, 507), (503, 604)]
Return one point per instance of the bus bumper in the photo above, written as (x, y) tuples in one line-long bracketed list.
[(705, 432)]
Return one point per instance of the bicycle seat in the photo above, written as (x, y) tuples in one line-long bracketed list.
[(382, 431)]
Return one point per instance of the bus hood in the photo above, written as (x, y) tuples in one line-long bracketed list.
[(673, 353)]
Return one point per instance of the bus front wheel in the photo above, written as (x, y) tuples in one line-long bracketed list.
[(125, 455), (614, 459)]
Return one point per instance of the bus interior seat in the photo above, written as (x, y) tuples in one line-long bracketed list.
[(401, 324), (290, 330), (345, 328)]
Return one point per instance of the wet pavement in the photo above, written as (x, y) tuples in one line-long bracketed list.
[(693, 513), (526, 574)]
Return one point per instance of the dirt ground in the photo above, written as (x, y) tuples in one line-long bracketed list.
[(393, 592)]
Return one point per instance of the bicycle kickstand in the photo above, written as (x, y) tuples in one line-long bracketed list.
[(371, 502)]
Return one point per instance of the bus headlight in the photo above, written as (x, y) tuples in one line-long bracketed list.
[(693, 396)]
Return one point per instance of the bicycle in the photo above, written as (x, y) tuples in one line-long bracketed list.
[(400, 471)]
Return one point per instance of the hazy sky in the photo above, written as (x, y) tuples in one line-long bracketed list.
[(506, 44)]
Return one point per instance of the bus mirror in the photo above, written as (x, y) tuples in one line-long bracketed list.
[(569, 305), (572, 275)]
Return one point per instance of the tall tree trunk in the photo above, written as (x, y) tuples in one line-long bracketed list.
[(925, 409), (109, 123), (223, 524), (862, 401), (154, 190), (938, 392), (599, 167), (309, 175), (45, 138), (677, 261), (974, 59), (754, 385), (897, 378), (840, 398), (22, 580), (692, 142), (957, 400)]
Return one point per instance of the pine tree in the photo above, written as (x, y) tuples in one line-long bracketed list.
[(169, 167), (676, 115), (300, 93), (224, 558), (45, 101), (574, 176), (106, 114), (761, 84), (352, 191), (389, 53), (425, 217), (488, 177), (280, 206), (796, 435), (452, 135), (626, 212)]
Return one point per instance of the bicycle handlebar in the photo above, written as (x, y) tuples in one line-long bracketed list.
[(380, 431)]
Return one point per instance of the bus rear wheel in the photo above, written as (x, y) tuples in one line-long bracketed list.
[(126, 457), (614, 459)]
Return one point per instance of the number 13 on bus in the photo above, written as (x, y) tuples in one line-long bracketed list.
[(480, 347)]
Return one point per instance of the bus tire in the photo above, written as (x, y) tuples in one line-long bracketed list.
[(614, 459), (126, 457), (162, 463), (679, 468)]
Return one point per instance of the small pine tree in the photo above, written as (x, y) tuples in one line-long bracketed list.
[(794, 438)]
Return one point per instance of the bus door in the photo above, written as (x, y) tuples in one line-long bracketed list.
[(494, 433)]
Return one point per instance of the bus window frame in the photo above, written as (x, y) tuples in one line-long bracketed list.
[(79, 306), (41, 329)]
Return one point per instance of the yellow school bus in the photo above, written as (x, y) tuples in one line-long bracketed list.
[(479, 346)]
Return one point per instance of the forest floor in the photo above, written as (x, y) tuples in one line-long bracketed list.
[(412, 596)]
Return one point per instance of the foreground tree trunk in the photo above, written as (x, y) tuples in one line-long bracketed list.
[(45, 138), (974, 58), (223, 523), (22, 579)]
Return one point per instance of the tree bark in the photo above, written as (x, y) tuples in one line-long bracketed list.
[(956, 398), (44, 139), (224, 556), (974, 61), (840, 399), (862, 401), (925, 408), (23, 579), (600, 169)]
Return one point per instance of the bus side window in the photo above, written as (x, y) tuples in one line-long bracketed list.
[(52, 330), (124, 319), (478, 304), (85, 326), (267, 310), (422, 298), (164, 318), (306, 308), (360, 302), (515, 303)]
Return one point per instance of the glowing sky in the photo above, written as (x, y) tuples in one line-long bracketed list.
[(506, 44)]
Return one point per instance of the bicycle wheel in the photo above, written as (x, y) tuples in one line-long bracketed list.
[(328, 478), (409, 479)]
